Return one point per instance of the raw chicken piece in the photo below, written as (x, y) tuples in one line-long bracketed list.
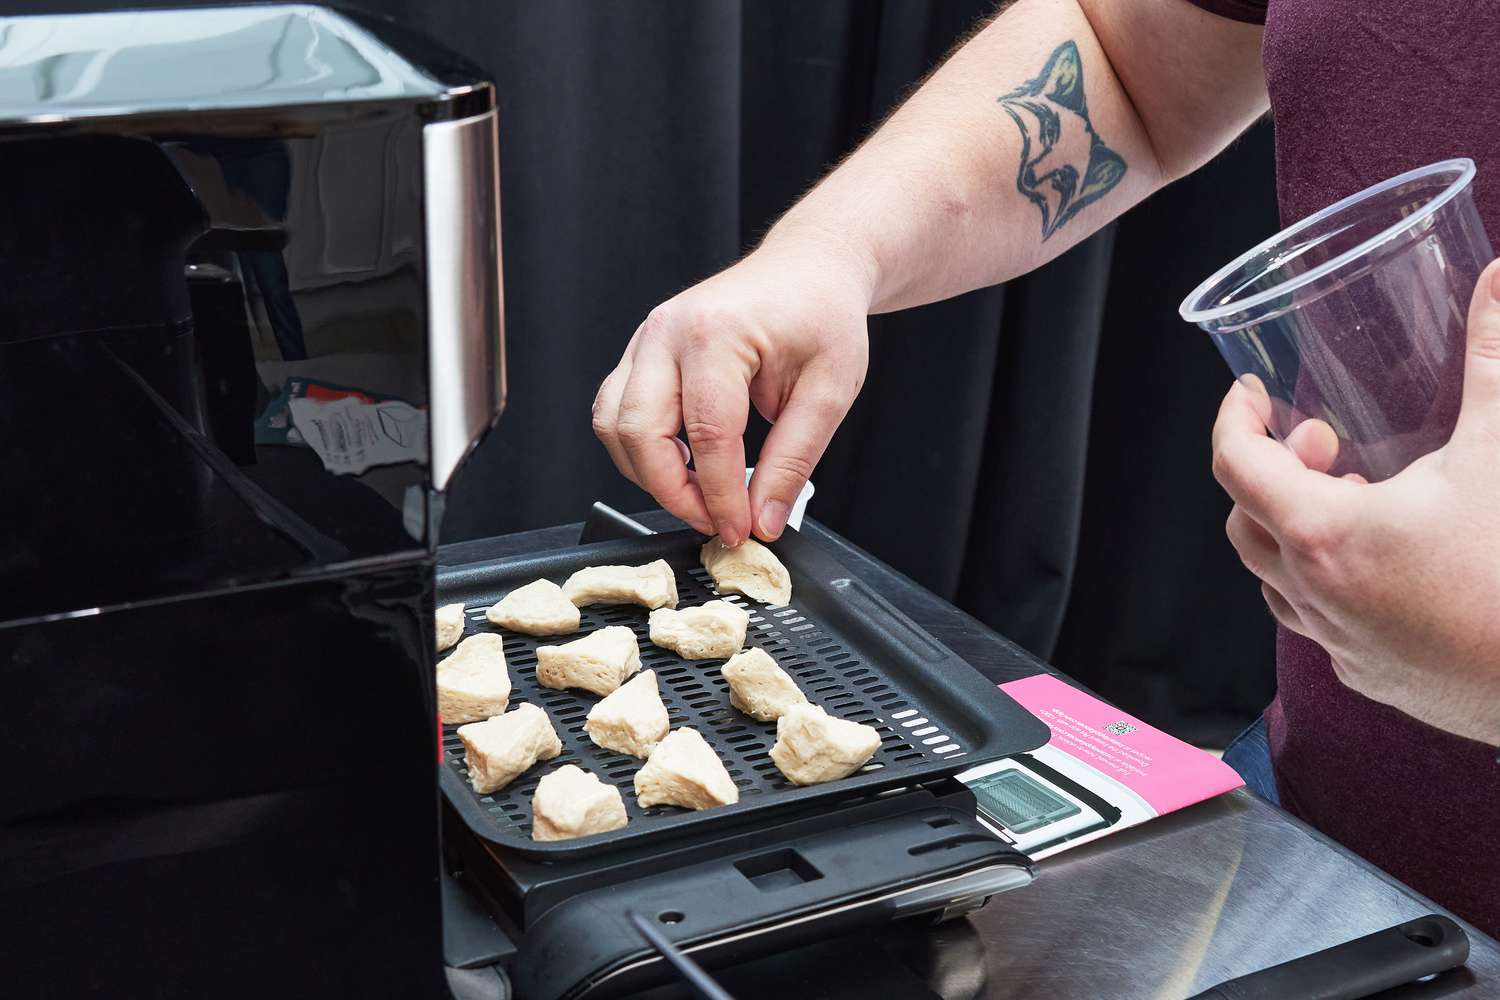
[(760, 688), (632, 720), (599, 662), (500, 750), (651, 586), (684, 771), (539, 608), (749, 568), (813, 747), (709, 632), (450, 625), (473, 683), (571, 802)]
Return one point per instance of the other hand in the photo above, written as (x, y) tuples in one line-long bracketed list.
[(1400, 580)]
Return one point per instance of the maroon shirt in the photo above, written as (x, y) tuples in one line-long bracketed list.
[(1361, 92)]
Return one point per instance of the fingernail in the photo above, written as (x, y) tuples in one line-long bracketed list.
[(1495, 285), (773, 514), (729, 534)]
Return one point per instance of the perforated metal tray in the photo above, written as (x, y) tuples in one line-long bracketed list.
[(848, 649)]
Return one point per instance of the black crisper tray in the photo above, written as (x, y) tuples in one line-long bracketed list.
[(847, 647)]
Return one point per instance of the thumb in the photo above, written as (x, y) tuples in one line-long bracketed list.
[(1479, 415), (1316, 443), (796, 441)]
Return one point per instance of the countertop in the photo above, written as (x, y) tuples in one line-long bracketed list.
[(1161, 911)]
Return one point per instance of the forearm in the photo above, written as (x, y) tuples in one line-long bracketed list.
[(1023, 143)]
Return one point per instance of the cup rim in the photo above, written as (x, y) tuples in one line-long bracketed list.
[(1463, 165)]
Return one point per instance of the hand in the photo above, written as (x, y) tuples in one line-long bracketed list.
[(1399, 581), (784, 329)]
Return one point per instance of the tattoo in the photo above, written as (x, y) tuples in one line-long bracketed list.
[(1056, 174)]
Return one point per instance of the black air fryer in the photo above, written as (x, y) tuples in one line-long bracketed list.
[(250, 317)]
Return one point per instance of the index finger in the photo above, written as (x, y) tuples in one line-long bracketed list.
[(1246, 407), (1263, 475), (647, 428)]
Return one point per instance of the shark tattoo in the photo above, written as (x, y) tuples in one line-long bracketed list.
[(1065, 166)]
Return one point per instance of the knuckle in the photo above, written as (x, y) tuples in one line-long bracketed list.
[(714, 495), (1484, 337), (1274, 602), (1221, 465), (631, 432), (1309, 535), (604, 427), (791, 467), (830, 407), (603, 393), (707, 434), (700, 336), (659, 321), (1235, 530)]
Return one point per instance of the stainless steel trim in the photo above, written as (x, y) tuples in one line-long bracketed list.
[(465, 298)]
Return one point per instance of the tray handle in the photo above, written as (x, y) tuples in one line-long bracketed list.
[(892, 620)]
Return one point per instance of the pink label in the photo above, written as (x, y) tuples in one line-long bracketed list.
[(1161, 769)]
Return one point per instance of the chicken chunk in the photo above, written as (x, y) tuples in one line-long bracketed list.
[(684, 771), (813, 747), (760, 688), (571, 802), (749, 568), (709, 632), (473, 682), (599, 662), (450, 625), (500, 750), (651, 586), (632, 720), (539, 608)]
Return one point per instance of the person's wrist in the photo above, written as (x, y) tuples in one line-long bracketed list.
[(838, 255)]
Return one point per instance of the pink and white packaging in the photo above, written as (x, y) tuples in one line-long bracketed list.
[(1138, 769)]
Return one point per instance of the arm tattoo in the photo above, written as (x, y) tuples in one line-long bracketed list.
[(1056, 173)]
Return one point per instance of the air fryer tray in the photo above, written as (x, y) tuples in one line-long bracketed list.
[(848, 649)]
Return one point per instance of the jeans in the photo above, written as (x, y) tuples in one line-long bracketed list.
[(1249, 753)]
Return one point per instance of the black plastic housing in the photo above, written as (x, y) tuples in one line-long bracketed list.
[(215, 648)]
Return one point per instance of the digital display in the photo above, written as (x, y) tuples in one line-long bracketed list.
[(1019, 802)]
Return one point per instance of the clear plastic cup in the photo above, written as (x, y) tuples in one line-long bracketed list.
[(1356, 316)]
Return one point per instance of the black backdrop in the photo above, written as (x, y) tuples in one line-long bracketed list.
[(1036, 452)]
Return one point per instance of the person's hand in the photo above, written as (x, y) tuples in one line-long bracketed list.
[(783, 329), (1399, 581)]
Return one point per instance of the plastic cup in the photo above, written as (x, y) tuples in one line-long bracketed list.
[(1356, 316)]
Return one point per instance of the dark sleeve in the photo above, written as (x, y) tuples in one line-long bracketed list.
[(1249, 11)]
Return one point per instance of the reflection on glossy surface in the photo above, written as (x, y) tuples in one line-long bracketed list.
[(168, 310), (216, 515), (225, 796), (142, 61)]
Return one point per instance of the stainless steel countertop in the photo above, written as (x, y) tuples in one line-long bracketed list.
[(1161, 911)]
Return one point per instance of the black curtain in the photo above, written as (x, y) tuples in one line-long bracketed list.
[(1037, 453)]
